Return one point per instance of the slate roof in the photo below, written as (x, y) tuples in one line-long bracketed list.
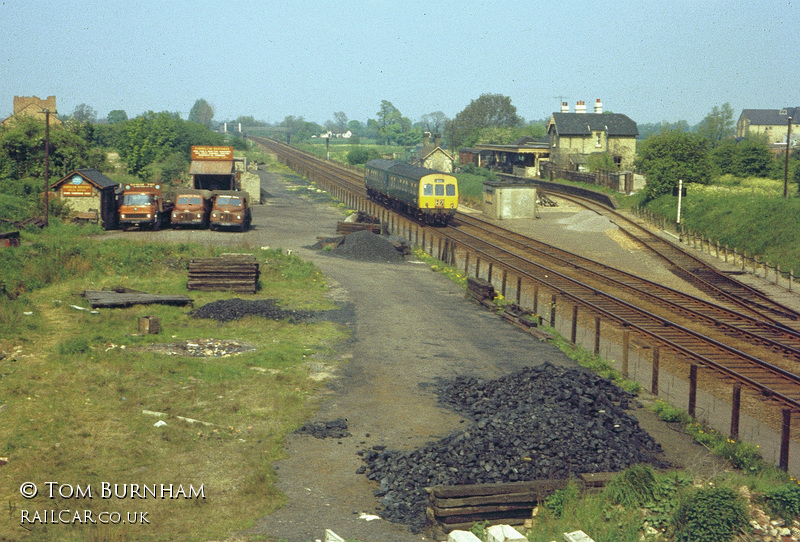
[(92, 175), (583, 124), (771, 117)]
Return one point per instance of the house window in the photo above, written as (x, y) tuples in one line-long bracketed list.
[(618, 161), (598, 137)]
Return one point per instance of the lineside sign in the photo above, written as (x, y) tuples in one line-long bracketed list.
[(209, 152)]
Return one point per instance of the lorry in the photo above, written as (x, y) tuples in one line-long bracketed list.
[(192, 208), (230, 209), (144, 205)]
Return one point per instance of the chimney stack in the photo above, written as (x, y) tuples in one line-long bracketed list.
[(580, 107), (564, 107), (437, 138), (426, 138), (598, 106)]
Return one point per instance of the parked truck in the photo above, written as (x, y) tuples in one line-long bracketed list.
[(230, 209), (192, 208), (144, 205)]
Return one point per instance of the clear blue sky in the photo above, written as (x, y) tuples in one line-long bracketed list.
[(652, 60)]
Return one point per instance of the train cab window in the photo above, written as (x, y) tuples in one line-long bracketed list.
[(451, 190), (440, 190), (427, 190)]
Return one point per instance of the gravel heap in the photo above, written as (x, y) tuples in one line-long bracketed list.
[(543, 422), (333, 429), (227, 310), (368, 246)]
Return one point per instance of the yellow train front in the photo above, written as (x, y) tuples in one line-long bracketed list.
[(428, 195)]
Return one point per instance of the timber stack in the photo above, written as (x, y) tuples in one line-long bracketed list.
[(230, 272), (462, 506)]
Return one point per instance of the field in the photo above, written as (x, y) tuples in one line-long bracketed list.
[(86, 401)]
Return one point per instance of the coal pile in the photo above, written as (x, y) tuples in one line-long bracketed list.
[(332, 429), (227, 310), (543, 422), (367, 246)]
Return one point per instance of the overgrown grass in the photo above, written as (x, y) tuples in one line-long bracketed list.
[(76, 389), (750, 215)]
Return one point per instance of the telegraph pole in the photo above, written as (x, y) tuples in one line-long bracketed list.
[(786, 165), (46, 166)]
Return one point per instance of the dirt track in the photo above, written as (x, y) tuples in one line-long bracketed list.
[(410, 326)]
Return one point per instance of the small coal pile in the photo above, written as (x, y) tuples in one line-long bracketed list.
[(227, 310), (368, 246), (333, 429), (543, 422)]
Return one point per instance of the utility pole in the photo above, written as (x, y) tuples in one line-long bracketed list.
[(786, 165), (46, 166)]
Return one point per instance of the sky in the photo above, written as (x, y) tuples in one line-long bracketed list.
[(651, 60)]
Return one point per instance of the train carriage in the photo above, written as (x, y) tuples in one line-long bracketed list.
[(428, 195)]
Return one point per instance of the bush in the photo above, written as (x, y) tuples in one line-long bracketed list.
[(559, 501), (361, 155), (633, 487), (784, 500), (710, 515)]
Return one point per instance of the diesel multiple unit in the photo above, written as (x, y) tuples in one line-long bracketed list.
[(428, 195)]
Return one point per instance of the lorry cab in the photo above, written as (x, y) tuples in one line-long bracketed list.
[(230, 209), (192, 208), (143, 205)]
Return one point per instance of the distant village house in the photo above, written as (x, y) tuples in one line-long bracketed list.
[(772, 123), (433, 156)]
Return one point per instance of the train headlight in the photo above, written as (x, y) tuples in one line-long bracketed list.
[(214, 215)]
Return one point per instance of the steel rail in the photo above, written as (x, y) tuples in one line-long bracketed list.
[(733, 324), (694, 270), (705, 350)]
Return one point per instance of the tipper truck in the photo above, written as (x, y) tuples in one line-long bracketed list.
[(144, 205)]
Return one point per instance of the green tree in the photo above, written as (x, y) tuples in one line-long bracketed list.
[(202, 113), (116, 116), (389, 120), (489, 110), (718, 125), (667, 157), (434, 122), (753, 158), (84, 113)]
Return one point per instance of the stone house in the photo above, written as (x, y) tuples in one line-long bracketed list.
[(772, 123), (31, 106), (433, 156), (90, 195), (573, 137)]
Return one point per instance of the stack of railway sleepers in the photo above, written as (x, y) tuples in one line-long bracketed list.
[(460, 507), (480, 291), (230, 272)]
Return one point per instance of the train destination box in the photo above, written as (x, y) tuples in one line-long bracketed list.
[(509, 199)]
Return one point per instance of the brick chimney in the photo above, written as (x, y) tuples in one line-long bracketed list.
[(580, 107), (437, 138), (426, 139), (598, 106), (564, 107)]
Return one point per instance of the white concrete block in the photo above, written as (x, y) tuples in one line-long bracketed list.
[(462, 536), (504, 533), (577, 536)]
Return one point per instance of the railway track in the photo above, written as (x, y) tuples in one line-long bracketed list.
[(756, 327), (695, 271)]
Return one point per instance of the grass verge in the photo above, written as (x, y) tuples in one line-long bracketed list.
[(86, 402)]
